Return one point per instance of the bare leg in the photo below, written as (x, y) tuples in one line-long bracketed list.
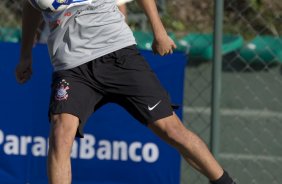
[(192, 148), (63, 130)]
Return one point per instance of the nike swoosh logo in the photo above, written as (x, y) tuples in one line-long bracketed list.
[(151, 108)]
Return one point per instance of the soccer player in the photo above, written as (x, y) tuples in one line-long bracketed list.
[(95, 61)]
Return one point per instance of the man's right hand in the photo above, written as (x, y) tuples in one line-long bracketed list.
[(24, 70)]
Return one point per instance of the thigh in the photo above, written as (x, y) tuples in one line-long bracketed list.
[(135, 86), (146, 109), (63, 127), (73, 94)]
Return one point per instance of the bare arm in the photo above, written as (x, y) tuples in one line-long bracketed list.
[(30, 22), (162, 44)]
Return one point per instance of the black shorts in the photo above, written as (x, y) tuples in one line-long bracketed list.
[(122, 77)]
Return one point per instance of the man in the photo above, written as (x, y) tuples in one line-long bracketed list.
[(95, 61)]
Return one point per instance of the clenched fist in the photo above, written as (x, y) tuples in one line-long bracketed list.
[(24, 70)]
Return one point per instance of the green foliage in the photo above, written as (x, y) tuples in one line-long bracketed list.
[(173, 24), (253, 17), (246, 17), (256, 4)]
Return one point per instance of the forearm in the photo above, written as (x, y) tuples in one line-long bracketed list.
[(30, 22), (150, 9)]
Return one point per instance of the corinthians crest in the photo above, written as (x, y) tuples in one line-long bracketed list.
[(61, 90)]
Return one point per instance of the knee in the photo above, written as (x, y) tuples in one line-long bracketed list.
[(62, 132), (175, 133), (171, 130)]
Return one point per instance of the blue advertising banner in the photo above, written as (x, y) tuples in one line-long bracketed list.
[(116, 149)]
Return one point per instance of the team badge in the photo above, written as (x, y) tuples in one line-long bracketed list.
[(62, 90)]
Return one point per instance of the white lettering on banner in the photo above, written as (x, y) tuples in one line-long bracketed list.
[(120, 150), (12, 145), (1, 137), (133, 152), (104, 151), (150, 152), (86, 148), (39, 148), (24, 140)]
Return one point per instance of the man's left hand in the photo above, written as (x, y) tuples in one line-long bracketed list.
[(163, 45)]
